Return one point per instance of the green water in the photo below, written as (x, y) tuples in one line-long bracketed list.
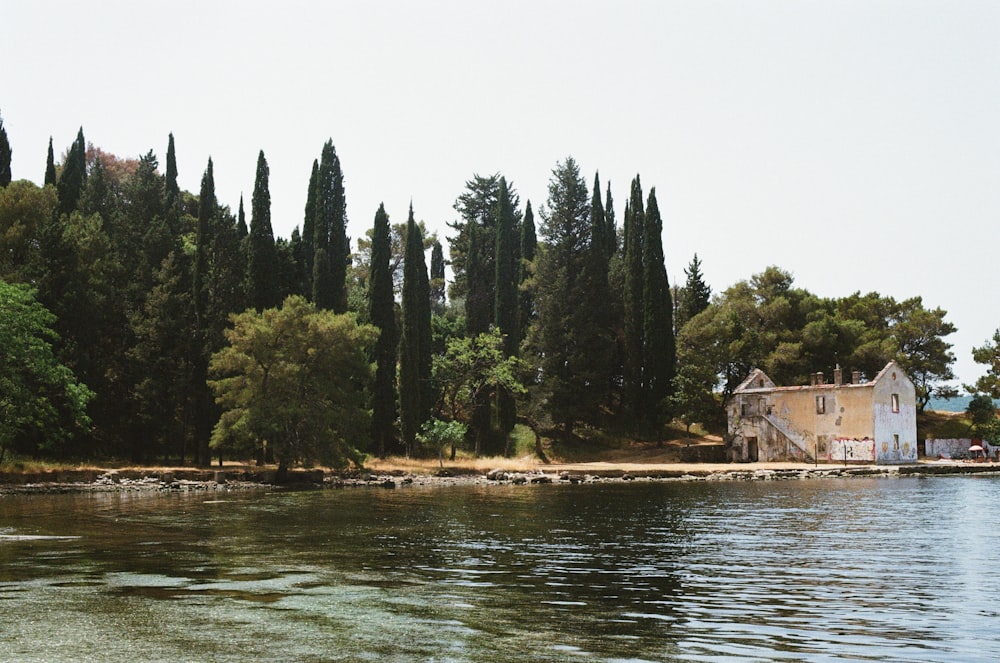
[(891, 569)]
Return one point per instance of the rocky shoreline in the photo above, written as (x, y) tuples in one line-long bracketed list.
[(192, 480)]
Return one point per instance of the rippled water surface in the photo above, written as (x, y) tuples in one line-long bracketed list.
[(881, 569)]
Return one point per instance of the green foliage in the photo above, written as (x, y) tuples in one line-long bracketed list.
[(5, 155), (659, 356), (309, 227), (330, 234), (437, 276), (694, 296), (989, 355), (633, 342), (469, 372), (982, 411), (50, 167), (74, 175), (415, 348), (382, 314), (295, 379), (25, 210), (41, 402), (262, 265), (574, 349), (437, 434), (525, 291)]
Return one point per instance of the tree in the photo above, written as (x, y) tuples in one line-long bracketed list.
[(469, 372), (25, 212), (695, 295), (982, 411), (262, 263), (525, 295), (922, 350), (50, 166), (74, 175), (437, 434), (5, 154), (309, 227), (382, 314), (574, 349), (635, 220), (294, 379), (415, 349), (505, 304), (659, 348), (201, 338), (989, 355), (330, 236), (41, 402), (437, 276)]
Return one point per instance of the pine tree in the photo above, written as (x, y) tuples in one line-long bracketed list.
[(262, 258), (381, 312), (50, 166), (695, 295), (330, 281), (5, 154), (635, 220), (74, 176), (415, 345), (574, 349), (659, 351)]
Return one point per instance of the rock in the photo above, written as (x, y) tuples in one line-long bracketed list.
[(541, 478), (497, 475), (519, 479), (408, 480), (220, 477), (627, 477), (388, 483)]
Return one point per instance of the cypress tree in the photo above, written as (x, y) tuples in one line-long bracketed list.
[(381, 311), (5, 154), (241, 221), (610, 227), (171, 191), (505, 306), (330, 234), (309, 226), (74, 176), (50, 166), (201, 347), (437, 277), (478, 307), (526, 301), (262, 259), (635, 220), (415, 345), (659, 355)]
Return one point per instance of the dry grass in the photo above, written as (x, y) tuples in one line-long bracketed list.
[(460, 465)]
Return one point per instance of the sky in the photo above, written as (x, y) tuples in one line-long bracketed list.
[(853, 143)]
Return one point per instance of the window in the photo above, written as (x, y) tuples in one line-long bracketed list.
[(895, 442), (821, 405), (895, 402)]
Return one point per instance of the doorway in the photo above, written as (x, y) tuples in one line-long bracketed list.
[(752, 453)]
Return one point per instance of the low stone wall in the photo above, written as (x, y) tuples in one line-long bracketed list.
[(957, 448)]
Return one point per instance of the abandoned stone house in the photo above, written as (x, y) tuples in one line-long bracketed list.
[(860, 421)]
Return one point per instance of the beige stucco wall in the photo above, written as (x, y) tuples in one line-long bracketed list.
[(895, 432)]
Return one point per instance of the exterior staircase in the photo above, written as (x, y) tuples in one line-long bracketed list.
[(796, 439)]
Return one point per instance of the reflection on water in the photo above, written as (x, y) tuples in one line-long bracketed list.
[(809, 570)]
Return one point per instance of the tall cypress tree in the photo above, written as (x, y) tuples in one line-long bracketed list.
[(241, 221), (415, 345), (172, 191), (505, 305), (381, 311), (5, 154), (330, 235), (635, 220), (437, 277), (309, 227), (262, 259), (610, 227), (50, 166), (201, 345), (659, 355), (525, 297), (74, 175)]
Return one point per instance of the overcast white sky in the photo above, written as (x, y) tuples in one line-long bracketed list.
[(852, 143)]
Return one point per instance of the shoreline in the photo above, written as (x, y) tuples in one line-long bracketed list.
[(182, 480)]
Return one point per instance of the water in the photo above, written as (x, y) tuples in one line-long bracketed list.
[(818, 570)]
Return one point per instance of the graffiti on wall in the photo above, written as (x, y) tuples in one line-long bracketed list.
[(851, 450)]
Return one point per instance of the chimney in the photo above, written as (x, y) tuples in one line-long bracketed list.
[(856, 377), (838, 376), (812, 379), (819, 378)]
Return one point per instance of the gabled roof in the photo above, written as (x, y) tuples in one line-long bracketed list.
[(753, 381)]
